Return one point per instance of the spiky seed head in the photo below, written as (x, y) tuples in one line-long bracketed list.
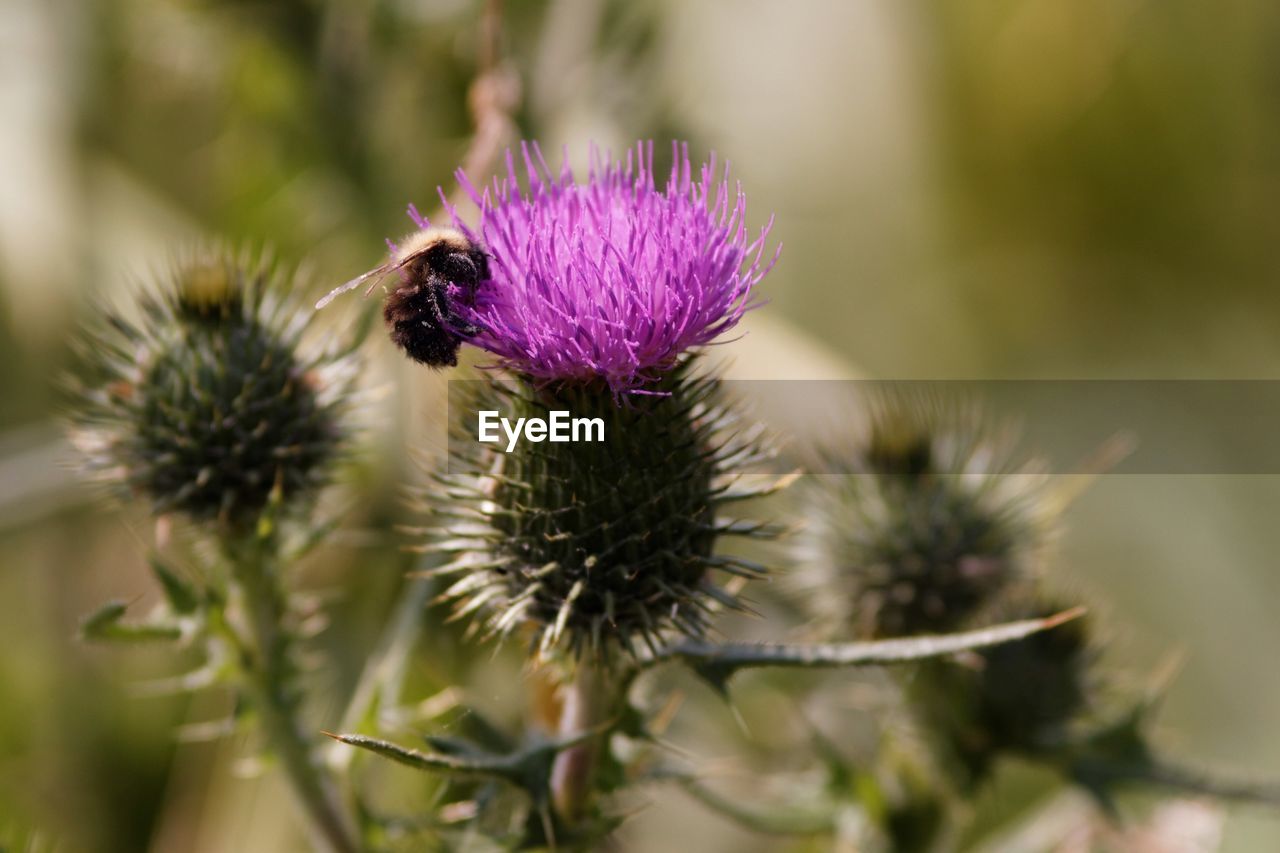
[(1017, 698), (208, 404), (925, 516), (598, 546)]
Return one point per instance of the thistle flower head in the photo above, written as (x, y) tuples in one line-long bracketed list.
[(611, 279), (596, 546), (208, 404), (928, 516)]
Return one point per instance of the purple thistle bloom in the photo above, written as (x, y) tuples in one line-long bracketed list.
[(611, 279)]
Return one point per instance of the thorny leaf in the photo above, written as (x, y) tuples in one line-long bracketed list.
[(528, 768), (105, 625), (717, 662), (182, 596)]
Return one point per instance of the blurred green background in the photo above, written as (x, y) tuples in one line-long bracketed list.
[(1013, 189)]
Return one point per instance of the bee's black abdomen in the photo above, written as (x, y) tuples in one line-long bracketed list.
[(435, 347), (415, 320)]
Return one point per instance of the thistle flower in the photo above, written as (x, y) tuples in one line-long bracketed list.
[(598, 545), (208, 404), (928, 518), (614, 278)]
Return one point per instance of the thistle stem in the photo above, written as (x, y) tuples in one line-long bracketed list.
[(377, 692), (1176, 778), (584, 706), (761, 819), (264, 658)]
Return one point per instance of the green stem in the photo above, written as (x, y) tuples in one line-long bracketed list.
[(378, 690), (1175, 778), (265, 661), (572, 774), (760, 818)]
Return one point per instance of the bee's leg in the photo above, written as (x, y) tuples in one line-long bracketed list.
[(468, 328), (459, 324)]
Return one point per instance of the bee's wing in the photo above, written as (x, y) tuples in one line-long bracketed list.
[(377, 274)]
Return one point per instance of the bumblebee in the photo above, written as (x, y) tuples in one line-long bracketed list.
[(439, 267)]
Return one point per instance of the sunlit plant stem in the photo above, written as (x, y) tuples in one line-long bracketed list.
[(263, 647)]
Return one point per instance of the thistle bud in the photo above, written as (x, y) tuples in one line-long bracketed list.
[(596, 544), (924, 520), (1020, 697), (208, 405)]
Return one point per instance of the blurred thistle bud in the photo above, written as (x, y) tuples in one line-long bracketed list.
[(915, 810), (208, 404), (599, 292), (922, 521), (1023, 697)]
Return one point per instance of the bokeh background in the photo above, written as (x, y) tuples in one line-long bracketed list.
[(994, 189)]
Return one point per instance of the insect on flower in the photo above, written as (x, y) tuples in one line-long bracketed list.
[(440, 269)]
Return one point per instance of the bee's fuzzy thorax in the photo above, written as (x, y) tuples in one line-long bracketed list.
[(425, 238)]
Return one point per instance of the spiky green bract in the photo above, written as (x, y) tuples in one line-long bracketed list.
[(208, 401), (1023, 697), (597, 545), (923, 519)]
